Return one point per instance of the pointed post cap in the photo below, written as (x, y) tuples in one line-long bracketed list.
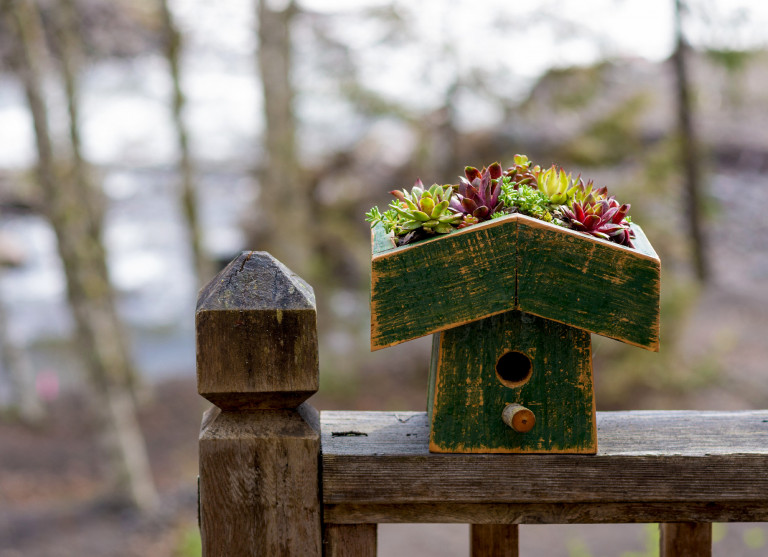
[(256, 335)]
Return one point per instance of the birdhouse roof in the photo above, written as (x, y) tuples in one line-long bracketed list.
[(514, 262)]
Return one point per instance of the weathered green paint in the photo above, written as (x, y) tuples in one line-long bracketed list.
[(515, 262), (467, 398), (436, 284), (433, 372), (471, 288), (590, 284)]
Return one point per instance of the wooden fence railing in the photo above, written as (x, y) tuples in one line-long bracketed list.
[(278, 479)]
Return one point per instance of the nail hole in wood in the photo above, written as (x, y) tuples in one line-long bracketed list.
[(514, 369)]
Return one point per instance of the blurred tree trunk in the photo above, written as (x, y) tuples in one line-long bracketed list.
[(283, 225), (88, 289), (71, 60), (689, 149), (173, 46), (83, 186), (25, 402)]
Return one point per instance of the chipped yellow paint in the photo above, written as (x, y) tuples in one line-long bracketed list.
[(642, 247), (597, 286), (466, 416), (463, 231), (440, 283)]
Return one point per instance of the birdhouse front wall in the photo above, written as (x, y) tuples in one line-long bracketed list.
[(467, 393)]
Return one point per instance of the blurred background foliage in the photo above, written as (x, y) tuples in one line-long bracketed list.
[(143, 144)]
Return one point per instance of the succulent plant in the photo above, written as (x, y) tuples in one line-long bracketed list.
[(557, 185), (417, 213), (551, 195), (582, 191), (429, 209), (478, 192), (469, 220), (601, 217), (389, 219), (522, 172)]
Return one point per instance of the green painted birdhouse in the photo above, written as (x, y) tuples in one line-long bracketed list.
[(511, 303)]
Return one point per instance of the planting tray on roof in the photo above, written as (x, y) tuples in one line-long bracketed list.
[(514, 262)]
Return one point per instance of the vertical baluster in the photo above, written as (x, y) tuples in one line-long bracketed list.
[(493, 540), (686, 539), (350, 540)]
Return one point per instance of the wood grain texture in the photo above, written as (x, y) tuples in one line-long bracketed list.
[(256, 336), (259, 483), (556, 273), (468, 397), (686, 539), (350, 540), (493, 540), (673, 458), (545, 513), (437, 284), (591, 284)]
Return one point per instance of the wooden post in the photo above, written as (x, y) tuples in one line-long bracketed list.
[(686, 539), (493, 540), (260, 446), (350, 540)]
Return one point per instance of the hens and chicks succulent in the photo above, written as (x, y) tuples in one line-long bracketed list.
[(550, 195)]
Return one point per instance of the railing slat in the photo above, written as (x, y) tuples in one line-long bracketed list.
[(350, 540), (650, 466), (493, 540), (545, 513), (686, 539)]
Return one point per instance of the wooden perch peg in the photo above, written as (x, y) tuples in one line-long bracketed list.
[(518, 417)]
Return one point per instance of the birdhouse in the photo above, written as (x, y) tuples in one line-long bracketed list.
[(511, 303)]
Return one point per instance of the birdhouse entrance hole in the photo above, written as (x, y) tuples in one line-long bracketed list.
[(514, 369)]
